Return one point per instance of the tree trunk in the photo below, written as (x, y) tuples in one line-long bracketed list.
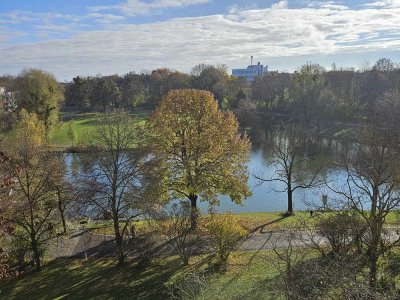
[(118, 242), (193, 211), (36, 254), (289, 191), (61, 212), (186, 261), (376, 238), (290, 201), (373, 268)]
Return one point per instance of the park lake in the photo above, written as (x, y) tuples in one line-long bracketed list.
[(271, 196)]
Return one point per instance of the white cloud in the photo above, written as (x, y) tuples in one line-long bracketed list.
[(280, 5), (183, 42), (7, 34), (384, 4), (138, 7)]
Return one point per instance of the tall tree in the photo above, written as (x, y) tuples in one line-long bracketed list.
[(134, 92), (384, 65), (32, 204), (201, 151), (77, 93), (39, 92), (213, 79), (288, 158), (115, 182), (371, 188), (6, 183), (305, 93), (64, 189)]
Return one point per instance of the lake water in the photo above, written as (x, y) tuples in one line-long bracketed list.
[(270, 196)]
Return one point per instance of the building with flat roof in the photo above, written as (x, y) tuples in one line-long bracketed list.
[(250, 72)]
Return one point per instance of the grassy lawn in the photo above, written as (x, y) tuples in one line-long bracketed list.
[(249, 275), (84, 124)]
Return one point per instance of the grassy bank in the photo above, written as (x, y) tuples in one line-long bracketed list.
[(251, 221), (248, 277)]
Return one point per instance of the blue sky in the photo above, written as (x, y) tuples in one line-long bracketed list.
[(89, 37)]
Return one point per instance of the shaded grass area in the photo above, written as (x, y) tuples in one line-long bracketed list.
[(247, 277), (100, 279), (250, 275)]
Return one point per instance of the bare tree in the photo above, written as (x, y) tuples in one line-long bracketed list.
[(286, 259), (115, 181), (289, 144), (371, 187), (64, 190)]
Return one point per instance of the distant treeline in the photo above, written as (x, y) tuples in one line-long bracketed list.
[(311, 93)]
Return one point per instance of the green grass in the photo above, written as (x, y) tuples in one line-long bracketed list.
[(84, 125), (271, 220), (248, 276), (275, 220), (251, 221)]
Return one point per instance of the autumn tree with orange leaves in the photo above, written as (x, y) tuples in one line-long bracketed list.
[(202, 153)]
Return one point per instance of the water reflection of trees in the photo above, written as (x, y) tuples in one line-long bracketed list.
[(296, 158)]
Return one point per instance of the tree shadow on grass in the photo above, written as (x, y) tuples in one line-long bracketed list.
[(75, 279), (261, 227)]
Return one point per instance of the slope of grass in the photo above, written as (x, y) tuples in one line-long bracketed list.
[(84, 125), (247, 276)]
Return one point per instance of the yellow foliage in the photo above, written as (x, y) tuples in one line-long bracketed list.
[(30, 137), (202, 151), (226, 232)]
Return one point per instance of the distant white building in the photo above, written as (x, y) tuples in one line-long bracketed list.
[(7, 100), (250, 72)]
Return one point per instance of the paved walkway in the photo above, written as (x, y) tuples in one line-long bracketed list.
[(100, 246)]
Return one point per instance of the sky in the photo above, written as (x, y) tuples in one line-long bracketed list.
[(90, 37)]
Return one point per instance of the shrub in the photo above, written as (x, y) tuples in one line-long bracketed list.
[(225, 233), (188, 287), (342, 231), (174, 224)]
